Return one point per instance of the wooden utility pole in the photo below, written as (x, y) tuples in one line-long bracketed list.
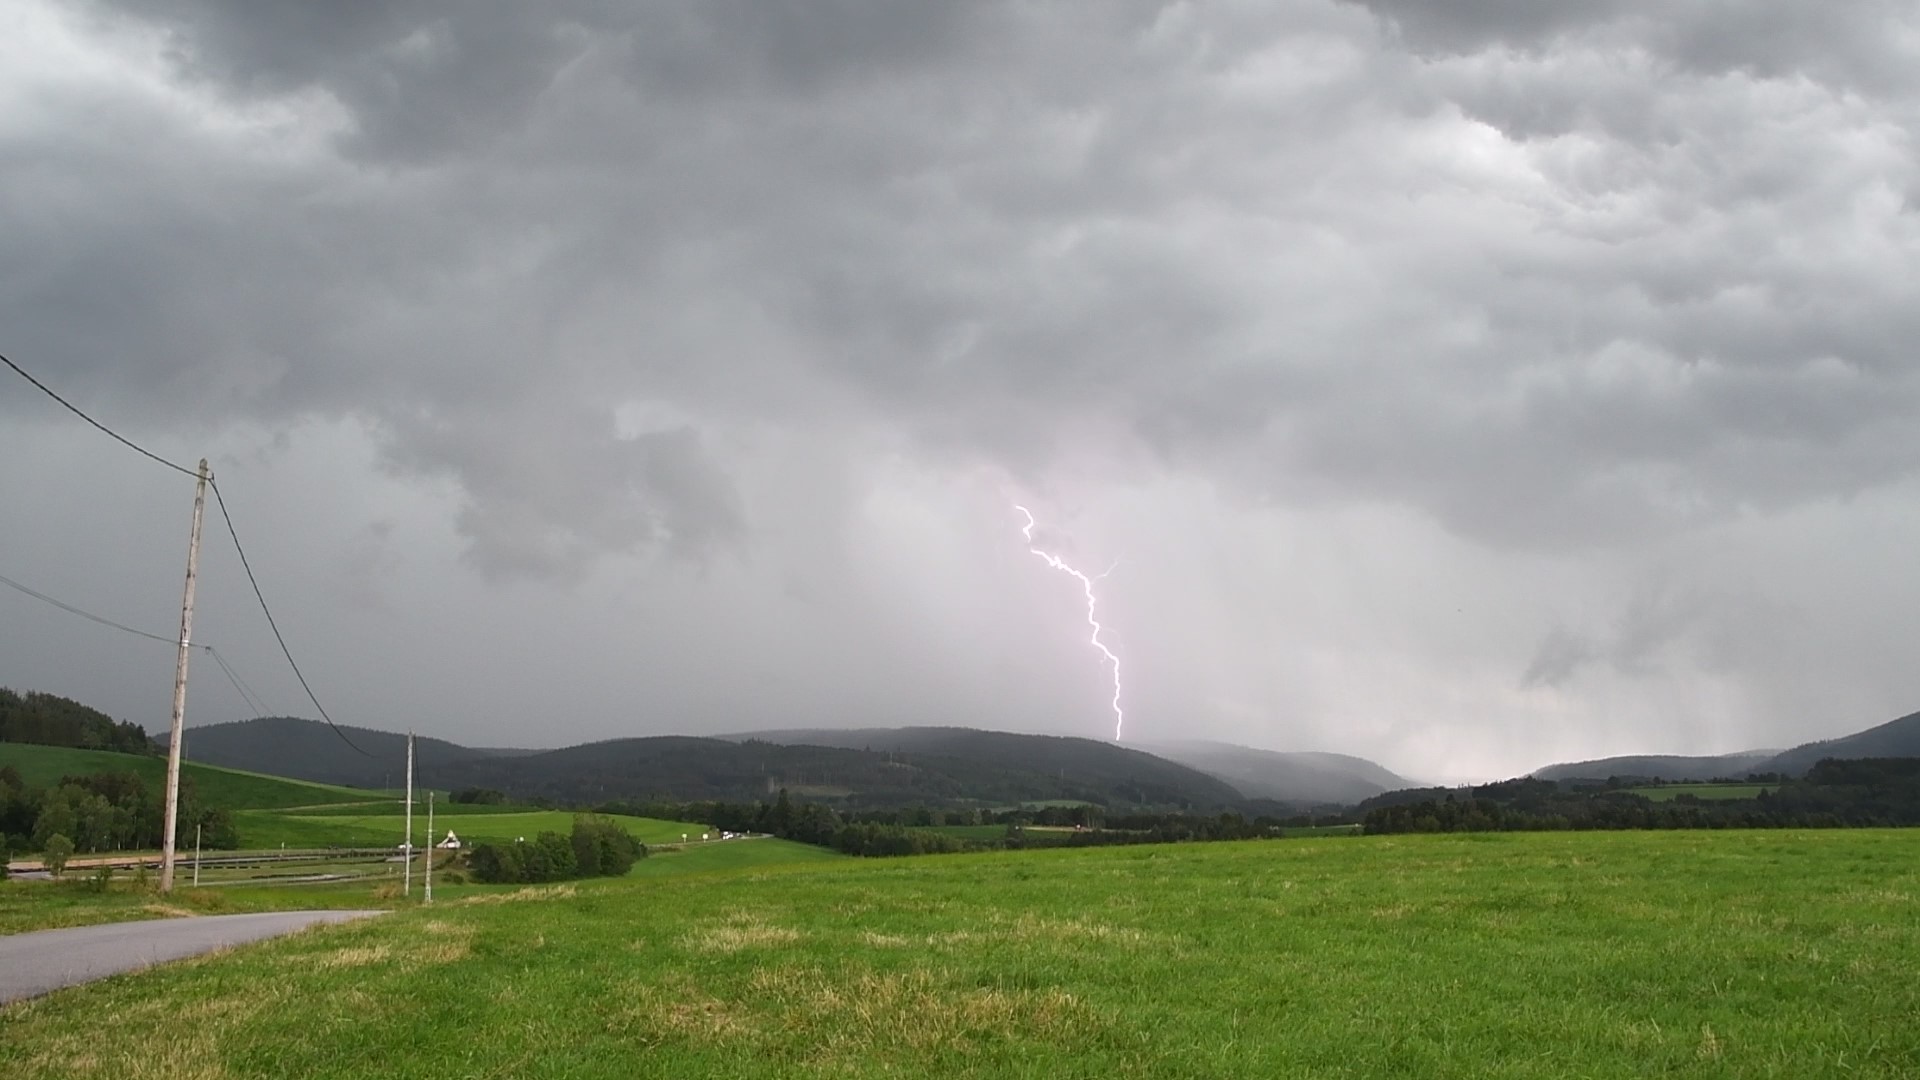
[(180, 684), (406, 876)]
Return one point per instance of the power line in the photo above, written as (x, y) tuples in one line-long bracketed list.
[(130, 444), (69, 608), (247, 694), (246, 565), (75, 410)]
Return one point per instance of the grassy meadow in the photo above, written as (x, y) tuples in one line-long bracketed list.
[(384, 824), (272, 812), (39, 905), (1598, 955), (43, 766)]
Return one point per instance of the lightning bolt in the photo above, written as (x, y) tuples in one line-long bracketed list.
[(1093, 603)]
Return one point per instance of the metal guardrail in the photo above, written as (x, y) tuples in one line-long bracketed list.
[(224, 858)]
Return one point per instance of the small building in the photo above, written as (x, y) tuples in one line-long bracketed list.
[(451, 843)]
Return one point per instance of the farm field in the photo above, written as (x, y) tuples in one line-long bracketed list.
[(39, 905), (43, 766), (1725, 953), (1666, 792), (384, 826)]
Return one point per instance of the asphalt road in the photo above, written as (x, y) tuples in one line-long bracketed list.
[(47, 960)]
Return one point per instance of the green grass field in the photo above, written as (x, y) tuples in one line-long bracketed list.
[(968, 832), (43, 766), (386, 827), (1594, 955), (1666, 792), (39, 905)]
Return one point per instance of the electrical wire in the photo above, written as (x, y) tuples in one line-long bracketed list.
[(247, 694), (75, 410), (245, 564), (258, 595), (240, 683), (69, 608)]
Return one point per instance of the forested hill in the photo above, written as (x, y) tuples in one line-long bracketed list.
[(1672, 767), (1134, 775), (310, 750), (51, 720), (1893, 739), (952, 768)]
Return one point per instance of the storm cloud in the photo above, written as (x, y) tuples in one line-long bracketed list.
[(1461, 384)]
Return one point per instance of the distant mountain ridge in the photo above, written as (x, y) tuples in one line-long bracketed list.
[(1661, 766), (1038, 753), (311, 750), (1301, 777), (1895, 738), (917, 765)]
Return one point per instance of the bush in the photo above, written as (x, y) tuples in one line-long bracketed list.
[(54, 853), (596, 848), (496, 864), (603, 849), (550, 858)]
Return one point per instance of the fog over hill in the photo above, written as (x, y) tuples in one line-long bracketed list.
[(1300, 777), (1895, 738)]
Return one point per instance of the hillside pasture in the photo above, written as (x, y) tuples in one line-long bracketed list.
[(385, 826), (1598, 955), (232, 789)]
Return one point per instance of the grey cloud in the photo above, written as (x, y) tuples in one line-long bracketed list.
[(1851, 45), (864, 195), (548, 493), (1654, 617), (1573, 281), (1561, 655), (1476, 24)]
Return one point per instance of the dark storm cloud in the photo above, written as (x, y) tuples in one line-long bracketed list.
[(1865, 45), (1579, 283), (973, 217)]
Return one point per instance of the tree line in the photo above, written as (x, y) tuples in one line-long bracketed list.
[(51, 720), (1833, 794), (595, 848), (107, 811), (911, 830)]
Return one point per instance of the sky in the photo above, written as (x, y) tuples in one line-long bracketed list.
[(1464, 384)]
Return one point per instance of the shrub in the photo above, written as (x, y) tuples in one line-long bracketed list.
[(54, 853), (603, 849), (496, 864)]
